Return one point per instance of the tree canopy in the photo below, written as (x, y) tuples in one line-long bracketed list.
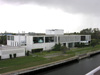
[(95, 32)]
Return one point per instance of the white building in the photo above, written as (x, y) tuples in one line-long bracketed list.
[(46, 42), (55, 32), (16, 40), (11, 52)]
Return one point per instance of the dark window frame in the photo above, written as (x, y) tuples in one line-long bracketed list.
[(83, 38), (38, 39), (12, 37), (49, 39), (8, 37)]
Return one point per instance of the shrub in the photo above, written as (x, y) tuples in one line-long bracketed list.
[(57, 47), (80, 45), (94, 42), (27, 53), (63, 49)]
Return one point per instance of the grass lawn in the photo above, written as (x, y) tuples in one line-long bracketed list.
[(30, 61)]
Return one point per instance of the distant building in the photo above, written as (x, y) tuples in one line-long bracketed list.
[(16, 40), (55, 32), (46, 42)]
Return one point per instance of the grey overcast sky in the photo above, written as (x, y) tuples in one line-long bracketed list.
[(39, 15)]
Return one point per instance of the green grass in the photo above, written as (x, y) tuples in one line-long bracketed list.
[(84, 50), (30, 61)]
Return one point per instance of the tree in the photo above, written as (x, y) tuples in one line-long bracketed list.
[(86, 31), (3, 40), (94, 42), (95, 32), (57, 47)]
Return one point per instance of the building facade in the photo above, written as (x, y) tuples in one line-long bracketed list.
[(46, 42)]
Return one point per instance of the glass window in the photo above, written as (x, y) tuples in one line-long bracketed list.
[(38, 39), (12, 37), (49, 39), (8, 38), (83, 38)]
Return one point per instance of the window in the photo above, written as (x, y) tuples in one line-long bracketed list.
[(83, 38), (49, 39), (38, 39), (64, 44), (8, 38), (70, 45), (12, 37)]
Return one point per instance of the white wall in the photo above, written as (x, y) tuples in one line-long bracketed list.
[(45, 46), (63, 39), (31, 45), (88, 37), (18, 51), (8, 42), (29, 40), (70, 38)]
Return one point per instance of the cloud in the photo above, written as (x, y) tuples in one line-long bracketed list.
[(72, 6)]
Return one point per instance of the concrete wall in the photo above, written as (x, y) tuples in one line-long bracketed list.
[(88, 37), (59, 39), (45, 46), (70, 38), (18, 51), (29, 40), (31, 45)]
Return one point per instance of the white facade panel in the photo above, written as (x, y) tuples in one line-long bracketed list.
[(88, 37), (5, 52), (5, 56), (20, 54), (45, 46), (29, 40), (8, 42), (70, 38)]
